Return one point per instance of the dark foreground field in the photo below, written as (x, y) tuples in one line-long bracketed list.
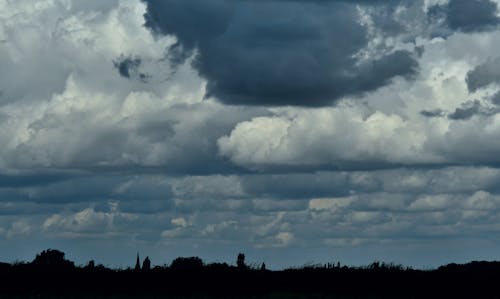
[(51, 276)]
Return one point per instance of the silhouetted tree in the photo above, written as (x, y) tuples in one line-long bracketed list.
[(240, 261), (52, 258), (375, 265), (218, 266), (187, 263), (146, 265), (90, 264)]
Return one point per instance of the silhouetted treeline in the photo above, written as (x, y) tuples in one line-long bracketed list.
[(50, 275)]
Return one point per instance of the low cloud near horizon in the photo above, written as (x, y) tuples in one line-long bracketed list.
[(293, 131)]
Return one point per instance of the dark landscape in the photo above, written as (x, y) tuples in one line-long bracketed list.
[(50, 275)]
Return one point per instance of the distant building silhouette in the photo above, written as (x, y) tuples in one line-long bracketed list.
[(146, 265), (137, 263)]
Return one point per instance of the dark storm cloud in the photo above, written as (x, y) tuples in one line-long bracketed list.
[(99, 188), (470, 108), (277, 52), (142, 206), (76, 190), (127, 64), (483, 75), (467, 111), (128, 67), (432, 113), (471, 15), (465, 16), (495, 99), (15, 181), (408, 182), (297, 185)]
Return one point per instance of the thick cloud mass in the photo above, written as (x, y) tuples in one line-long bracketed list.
[(381, 142), (277, 52), (484, 75), (472, 15)]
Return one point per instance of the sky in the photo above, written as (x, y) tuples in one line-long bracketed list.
[(294, 131)]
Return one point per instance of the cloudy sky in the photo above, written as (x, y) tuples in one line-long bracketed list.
[(295, 131)]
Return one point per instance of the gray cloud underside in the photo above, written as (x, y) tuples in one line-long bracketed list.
[(484, 75), (473, 15), (264, 212), (278, 52)]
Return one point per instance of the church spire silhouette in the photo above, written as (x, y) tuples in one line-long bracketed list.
[(137, 263)]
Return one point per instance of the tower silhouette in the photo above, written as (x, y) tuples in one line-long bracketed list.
[(137, 263), (146, 265)]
